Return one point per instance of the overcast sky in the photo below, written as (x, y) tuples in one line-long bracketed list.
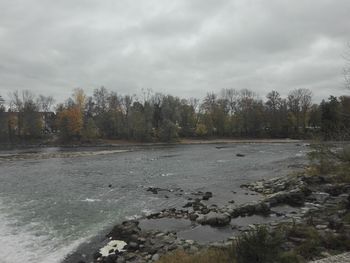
[(182, 47)]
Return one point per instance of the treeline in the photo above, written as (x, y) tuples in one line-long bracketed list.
[(159, 117)]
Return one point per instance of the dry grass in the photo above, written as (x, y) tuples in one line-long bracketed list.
[(206, 256)]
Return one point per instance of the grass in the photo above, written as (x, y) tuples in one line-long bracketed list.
[(262, 246), (205, 256), (255, 246)]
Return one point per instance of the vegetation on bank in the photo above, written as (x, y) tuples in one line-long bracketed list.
[(328, 165), (158, 117)]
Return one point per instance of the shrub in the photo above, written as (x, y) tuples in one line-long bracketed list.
[(290, 257), (322, 158), (258, 246), (311, 246)]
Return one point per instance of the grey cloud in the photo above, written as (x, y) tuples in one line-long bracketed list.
[(185, 47)]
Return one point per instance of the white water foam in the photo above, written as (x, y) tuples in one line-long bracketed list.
[(91, 200), (23, 243)]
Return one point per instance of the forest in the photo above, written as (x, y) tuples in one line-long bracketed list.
[(156, 117)]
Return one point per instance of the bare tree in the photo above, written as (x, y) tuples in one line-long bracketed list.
[(299, 103), (232, 97), (45, 103), (2, 104), (101, 99), (346, 69), (16, 103)]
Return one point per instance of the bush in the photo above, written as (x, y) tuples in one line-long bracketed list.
[(290, 257), (311, 246), (322, 158), (258, 246)]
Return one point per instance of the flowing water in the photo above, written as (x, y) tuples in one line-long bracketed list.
[(52, 200)]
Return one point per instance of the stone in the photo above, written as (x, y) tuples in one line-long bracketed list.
[(214, 219), (120, 260), (155, 257), (96, 255), (111, 258), (193, 217), (319, 197), (133, 246), (125, 231), (207, 195), (321, 227)]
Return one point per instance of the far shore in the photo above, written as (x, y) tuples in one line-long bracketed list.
[(121, 143)]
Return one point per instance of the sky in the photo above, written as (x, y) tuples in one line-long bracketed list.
[(184, 47)]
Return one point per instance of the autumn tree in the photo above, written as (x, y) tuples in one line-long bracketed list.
[(70, 119)]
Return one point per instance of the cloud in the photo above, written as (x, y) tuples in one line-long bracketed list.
[(185, 47)]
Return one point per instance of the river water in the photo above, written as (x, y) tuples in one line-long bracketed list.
[(52, 199)]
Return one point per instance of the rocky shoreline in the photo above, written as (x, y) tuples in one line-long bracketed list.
[(296, 198)]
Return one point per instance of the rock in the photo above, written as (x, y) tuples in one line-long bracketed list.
[(193, 217), (96, 255), (111, 258), (121, 260), (214, 219), (126, 231), (240, 155), (334, 189), (321, 227), (294, 197), (319, 197), (153, 190), (133, 246), (188, 204), (155, 257), (141, 240), (262, 208), (130, 256), (207, 195)]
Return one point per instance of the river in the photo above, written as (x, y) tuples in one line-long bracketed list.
[(54, 199)]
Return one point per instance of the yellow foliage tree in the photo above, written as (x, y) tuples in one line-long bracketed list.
[(70, 122)]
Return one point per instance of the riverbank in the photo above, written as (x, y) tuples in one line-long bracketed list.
[(128, 143), (311, 210)]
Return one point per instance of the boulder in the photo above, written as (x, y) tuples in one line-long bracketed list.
[(207, 195), (126, 231), (155, 257), (214, 219)]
